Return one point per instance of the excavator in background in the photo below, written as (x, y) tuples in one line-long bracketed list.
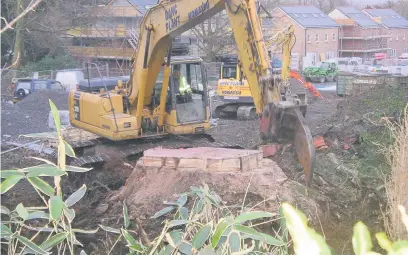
[(233, 90), (179, 104), (234, 94)]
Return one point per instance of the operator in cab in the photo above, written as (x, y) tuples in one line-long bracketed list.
[(182, 88)]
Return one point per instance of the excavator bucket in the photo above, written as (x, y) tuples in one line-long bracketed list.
[(283, 122), (303, 142)]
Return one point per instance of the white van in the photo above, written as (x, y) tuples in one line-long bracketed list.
[(69, 78)]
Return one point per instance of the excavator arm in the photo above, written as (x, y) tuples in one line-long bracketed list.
[(170, 18)]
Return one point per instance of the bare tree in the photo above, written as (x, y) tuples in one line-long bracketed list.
[(40, 31), (402, 8), (214, 36)]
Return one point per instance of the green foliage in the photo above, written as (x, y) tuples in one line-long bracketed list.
[(51, 63), (195, 230), (54, 217), (307, 241)]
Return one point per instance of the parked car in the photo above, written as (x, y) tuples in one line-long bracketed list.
[(69, 78), (24, 87)]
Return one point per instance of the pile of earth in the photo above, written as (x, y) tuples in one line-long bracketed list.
[(30, 115), (261, 189)]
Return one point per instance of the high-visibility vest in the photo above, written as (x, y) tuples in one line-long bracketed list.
[(184, 86)]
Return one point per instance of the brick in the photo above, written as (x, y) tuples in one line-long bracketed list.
[(204, 158), (152, 161), (270, 150), (249, 162), (232, 164)]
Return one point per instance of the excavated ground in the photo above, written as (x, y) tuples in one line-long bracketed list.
[(340, 195)]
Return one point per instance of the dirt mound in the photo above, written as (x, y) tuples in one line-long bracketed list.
[(39, 100), (30, 115), (148, 187)]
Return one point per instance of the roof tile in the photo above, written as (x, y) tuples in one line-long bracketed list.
[(309, 16), (388, 17)]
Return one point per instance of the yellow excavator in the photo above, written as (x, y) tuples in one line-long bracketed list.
[(179, 104), (233, 91)]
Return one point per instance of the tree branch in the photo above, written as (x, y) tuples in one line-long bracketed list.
[(9, 25)]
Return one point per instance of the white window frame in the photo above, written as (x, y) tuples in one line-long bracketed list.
[(334, 37), (326, 37), (393, 52), (390, 37), (396, 37), (403, 36), (308, 38), (317, 38)]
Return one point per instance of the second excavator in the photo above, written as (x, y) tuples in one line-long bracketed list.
[(144, 108)]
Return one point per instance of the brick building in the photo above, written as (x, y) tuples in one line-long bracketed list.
[(360, 35), (316, 33), (395, 26)]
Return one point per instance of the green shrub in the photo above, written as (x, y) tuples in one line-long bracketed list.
[(50, 222), (51, 63), (209, 227)]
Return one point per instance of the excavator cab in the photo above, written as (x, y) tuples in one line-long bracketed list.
[(187, 95)]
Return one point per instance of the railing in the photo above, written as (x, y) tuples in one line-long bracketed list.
[(132, 37), (102, 52), (119, 31)]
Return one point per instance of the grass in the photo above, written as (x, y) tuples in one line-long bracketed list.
[(383, 104), (397, 182)]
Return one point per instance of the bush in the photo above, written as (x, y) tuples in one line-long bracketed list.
[(51, 63)]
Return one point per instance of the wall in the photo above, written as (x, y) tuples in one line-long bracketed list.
[(357, 31), (399, 44), (322, 46), (336, 14)]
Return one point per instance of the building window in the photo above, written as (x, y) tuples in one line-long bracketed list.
[(405, 50), (390, 37), (308, 38), (396, 37), (403, 36), (393, 53), (317, 37), (334, 36), (326, 37)]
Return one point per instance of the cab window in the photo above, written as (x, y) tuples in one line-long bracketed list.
[(229, 72), (196, 79)]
